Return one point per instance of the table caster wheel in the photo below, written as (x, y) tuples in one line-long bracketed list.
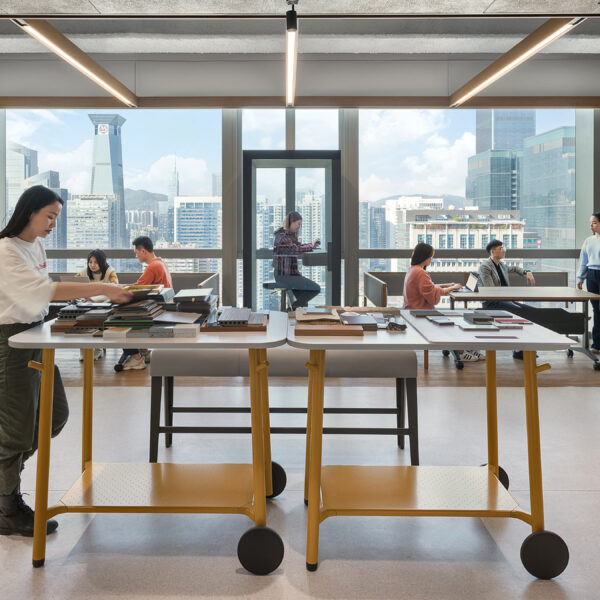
[(279, 479), (446, 352), (597, 366), (570, 353), (544, 554), (260, 550), (502, 475), (459, 364)]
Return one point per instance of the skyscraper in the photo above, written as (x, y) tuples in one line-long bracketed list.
[(107, 171), (91, 219), (503, 129), (217, 185), (21, 163), (548, 188), (166, 210)]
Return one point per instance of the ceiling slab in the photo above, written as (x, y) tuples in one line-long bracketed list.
[(306, 7)]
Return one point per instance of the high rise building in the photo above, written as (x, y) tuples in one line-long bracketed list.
[(493, 180), (91, 219), (217, 185), (198, 225), (107, 172), (58, 237), (166, 214), (503, 129), (21, 163), (548, 189)]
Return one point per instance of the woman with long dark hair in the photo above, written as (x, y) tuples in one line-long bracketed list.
[(286, 248), (98, 269), (24, 296), (421, 293), (589, 271)]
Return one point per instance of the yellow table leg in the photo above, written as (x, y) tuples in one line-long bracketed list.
[(316, 383), (308, 436), (43, 458), (258, 453), (264, 393), (87, 412), (492, 410), (533, 441)]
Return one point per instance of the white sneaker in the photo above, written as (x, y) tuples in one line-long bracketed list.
[(98, 353), (134, 364), (467, 356), (481, 355)]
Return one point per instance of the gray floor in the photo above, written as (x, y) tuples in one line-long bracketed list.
[(178, 556)]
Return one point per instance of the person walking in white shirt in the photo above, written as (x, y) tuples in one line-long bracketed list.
[(589, 271)]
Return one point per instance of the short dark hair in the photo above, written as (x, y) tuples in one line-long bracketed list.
[(32, 200), (421, 253), (597, 215), (493, 244), (143, 242)]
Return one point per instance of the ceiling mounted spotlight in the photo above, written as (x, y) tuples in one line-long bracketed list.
[(291, 52)]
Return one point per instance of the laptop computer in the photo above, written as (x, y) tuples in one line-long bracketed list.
[(471, 285)]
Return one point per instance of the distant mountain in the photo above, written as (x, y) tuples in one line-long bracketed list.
[(449, 199), (142, 200)]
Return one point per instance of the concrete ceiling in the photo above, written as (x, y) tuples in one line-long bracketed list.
[(306, 7), (489, 36)]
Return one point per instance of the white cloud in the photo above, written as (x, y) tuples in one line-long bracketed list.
[(194, 176), (317, 129), (75, 167), (21, 125), (374, 188), (263, 129)]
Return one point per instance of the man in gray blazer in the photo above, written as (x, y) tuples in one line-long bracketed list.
[(494, 273)]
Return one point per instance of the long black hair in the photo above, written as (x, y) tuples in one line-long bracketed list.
[(31, 201), (421, 253), (101, 260)]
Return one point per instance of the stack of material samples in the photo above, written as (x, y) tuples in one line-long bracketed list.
[(66, 318), (137, 315), (235, 320), (323, 321), (197, 300)]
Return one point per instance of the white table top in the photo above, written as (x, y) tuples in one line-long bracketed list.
[(410, 339), (532, 293), (41, 337), (530, 337)]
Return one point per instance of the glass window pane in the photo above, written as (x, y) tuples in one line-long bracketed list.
[(263, 129), (317, 129), (122, 174)]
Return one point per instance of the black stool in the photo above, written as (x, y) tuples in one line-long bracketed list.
[(286, 296)]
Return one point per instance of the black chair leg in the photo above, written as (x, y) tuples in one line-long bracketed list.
[(168, 410), (401, 406), (413, 419), (155, 394)]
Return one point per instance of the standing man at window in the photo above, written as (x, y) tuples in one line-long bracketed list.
[(156, 272), (494, 273)]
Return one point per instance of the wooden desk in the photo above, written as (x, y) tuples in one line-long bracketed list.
[(427, 490), (166, 487), (537, 294)]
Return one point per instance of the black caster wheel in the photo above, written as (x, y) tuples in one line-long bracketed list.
[(460, 364), (260, 550), (446, 352), (502, 475), (544, 554), (570, 353), (279, 479), (597, 366)]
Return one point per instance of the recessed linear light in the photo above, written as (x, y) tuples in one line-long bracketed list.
[(291, 54), (43, 31), (550, 31)]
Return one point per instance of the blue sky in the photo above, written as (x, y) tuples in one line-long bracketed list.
[(401, 151)]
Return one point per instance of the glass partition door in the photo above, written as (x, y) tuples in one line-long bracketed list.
[(276, 183)]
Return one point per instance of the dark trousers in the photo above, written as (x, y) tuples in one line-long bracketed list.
[(593, 285), (19, 407), (303, 288)]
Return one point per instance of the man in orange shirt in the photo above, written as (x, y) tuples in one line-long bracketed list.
[(156, 272)]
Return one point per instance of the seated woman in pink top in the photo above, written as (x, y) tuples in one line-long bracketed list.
[(421, 292)]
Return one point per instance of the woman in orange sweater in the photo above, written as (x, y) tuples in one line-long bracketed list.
[(421, 293)]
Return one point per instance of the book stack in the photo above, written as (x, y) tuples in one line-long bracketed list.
[(198, 300), (66, 318), (136, 315), (94, 317)]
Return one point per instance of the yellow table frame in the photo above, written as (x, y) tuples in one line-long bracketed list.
[(157, 488), (420, 490)]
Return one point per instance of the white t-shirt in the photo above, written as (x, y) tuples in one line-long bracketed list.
[(25, 287)]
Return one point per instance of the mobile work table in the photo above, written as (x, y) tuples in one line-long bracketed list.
[(163, 487), (476, 491), (540, 294)]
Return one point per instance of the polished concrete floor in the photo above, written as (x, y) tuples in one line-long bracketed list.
[(194, 556)]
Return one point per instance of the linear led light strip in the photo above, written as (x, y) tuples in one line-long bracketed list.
[(33, 32), (521, 58), (291, 53)]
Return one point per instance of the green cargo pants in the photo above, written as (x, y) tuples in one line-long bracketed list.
[(19, 406)]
